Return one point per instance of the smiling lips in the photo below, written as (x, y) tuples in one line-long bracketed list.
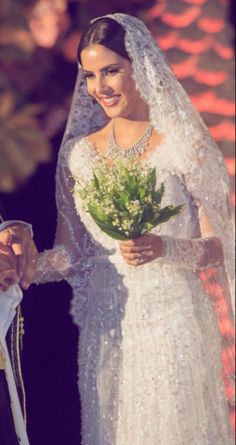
[(109, 101)]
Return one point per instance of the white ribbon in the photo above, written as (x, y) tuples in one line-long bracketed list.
[(9, 301)]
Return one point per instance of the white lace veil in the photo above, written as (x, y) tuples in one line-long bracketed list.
[(171, 113), (195, 155)]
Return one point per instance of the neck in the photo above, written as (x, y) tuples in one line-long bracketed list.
[(139, 113), (135, 125)]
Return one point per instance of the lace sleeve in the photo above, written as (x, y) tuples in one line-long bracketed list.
[(203, 171), (192, 253), (61, 262)]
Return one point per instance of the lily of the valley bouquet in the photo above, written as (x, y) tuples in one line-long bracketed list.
[(123, 200)]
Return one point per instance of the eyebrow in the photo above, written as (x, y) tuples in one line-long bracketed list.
[(111, 65)]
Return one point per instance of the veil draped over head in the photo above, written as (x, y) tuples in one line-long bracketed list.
[(195, 155), (171, 113)]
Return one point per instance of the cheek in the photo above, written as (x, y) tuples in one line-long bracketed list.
[(132, 97), (120, 83), (129, 89), (90, 88)]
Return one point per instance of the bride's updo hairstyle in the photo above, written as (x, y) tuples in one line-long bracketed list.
[(106, 32)]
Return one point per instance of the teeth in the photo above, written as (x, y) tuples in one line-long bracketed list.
[(109, 100)]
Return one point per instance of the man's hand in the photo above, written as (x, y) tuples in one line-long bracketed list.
[(8, 267), (18, 238)]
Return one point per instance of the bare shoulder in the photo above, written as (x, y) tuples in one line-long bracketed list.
[(99, 138)]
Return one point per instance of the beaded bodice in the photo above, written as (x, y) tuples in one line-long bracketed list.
[(113, 303), (144, 329), (82, 159)]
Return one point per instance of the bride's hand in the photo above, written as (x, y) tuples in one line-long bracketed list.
[(141, 250)]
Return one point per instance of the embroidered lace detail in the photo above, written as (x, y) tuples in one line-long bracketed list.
[(149, 356), (69, 259), (171, 113), (126, 306), (193, 254)]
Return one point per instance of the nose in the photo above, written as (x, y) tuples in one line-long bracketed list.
[(101, 85)]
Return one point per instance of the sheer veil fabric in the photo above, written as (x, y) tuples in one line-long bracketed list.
[(149, 353), (171, 113)]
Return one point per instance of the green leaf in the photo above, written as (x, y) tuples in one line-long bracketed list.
[(142, 192), (96, 181), (147, 214), (152, 178), (113, 233), (147, 227), (166, 213), (96, 213), (158, 194), (105, 224), (121, 200)]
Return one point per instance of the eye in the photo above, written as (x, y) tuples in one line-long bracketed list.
[(111, 71), (88, 76)]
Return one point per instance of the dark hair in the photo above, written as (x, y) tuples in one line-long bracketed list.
[(106, 32)]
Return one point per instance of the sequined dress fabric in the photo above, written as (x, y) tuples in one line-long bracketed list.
[(149, 353)]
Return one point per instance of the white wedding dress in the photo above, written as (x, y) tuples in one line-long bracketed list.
[(149, 353), (150, 350)]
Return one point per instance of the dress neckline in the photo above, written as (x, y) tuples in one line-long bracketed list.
[(156, 151)]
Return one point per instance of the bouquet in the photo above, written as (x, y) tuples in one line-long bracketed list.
[(123, 200)]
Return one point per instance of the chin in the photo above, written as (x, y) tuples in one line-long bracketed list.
[(112, 114), (116, 112)]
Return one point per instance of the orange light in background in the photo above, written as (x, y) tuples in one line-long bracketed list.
[(181, 20), (208, 102), (226, 327), (230, 163), (211, 25), (156, 10), (225, 130), (186, 68), (223, 51), (211, 78)]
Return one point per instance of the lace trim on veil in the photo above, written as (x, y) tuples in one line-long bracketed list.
[(196, 155)]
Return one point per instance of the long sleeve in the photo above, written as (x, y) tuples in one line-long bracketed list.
[(201, 167), (62, 261), (192, 253), (197, 170), (207, 180), (4, 225)]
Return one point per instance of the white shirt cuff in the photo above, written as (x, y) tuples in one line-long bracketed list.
[(5, 224)]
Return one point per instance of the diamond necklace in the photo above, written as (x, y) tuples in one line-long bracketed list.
[(134, 151)]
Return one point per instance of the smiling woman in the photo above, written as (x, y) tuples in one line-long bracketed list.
[(144, 316), (109, 81)]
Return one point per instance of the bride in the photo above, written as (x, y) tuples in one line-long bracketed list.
[(150, 350)]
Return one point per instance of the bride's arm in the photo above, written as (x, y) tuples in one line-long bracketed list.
[(181, 252), (202, 168), (63, 259), (194, 253)]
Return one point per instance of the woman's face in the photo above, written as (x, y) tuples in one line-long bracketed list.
[(109, 82)]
